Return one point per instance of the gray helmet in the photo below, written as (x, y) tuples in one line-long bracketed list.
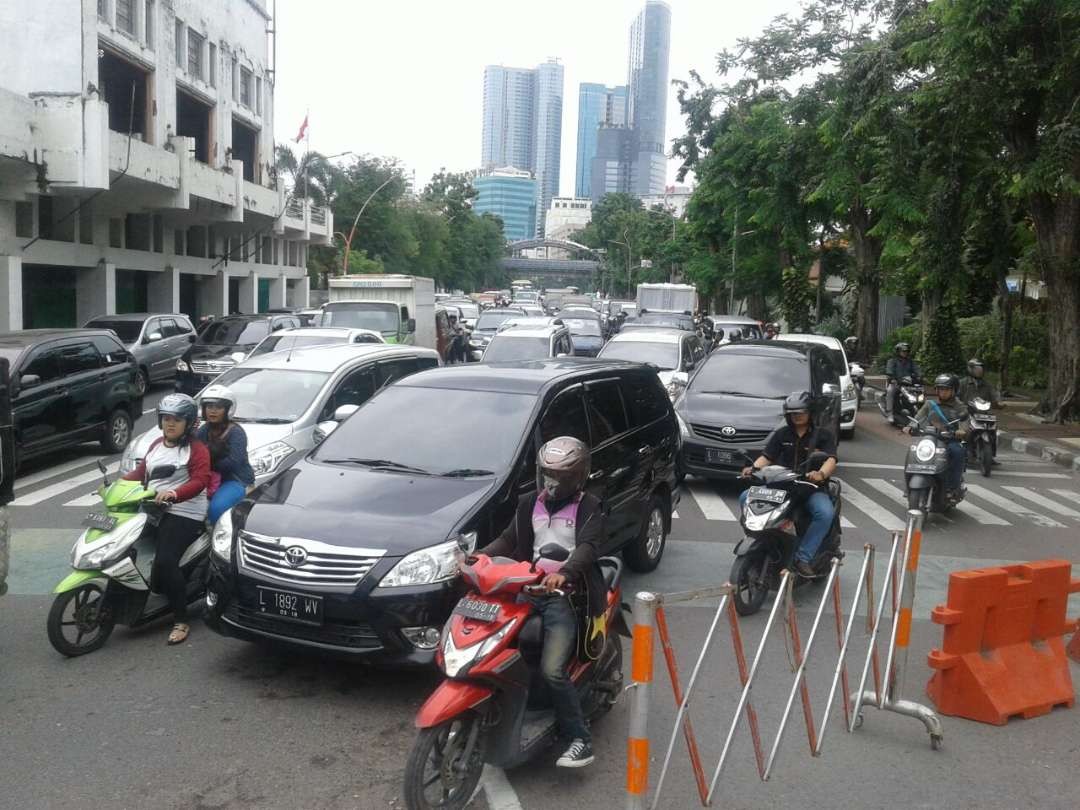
[(975, 363), (797, 402), (182, 407), (562, 467), (902, 346), (947, 381)]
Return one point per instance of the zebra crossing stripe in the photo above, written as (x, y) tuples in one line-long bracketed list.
[(1066, 494), (1013, 508), (43, 494), (710, 503), (85, 500), (880, 515), (1044, 502), (845, 523), (888, 490), (52, 472), (981, 515)]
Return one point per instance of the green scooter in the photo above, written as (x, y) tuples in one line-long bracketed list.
[(113, 559)]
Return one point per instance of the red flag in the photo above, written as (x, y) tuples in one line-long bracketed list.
[(303, 130)]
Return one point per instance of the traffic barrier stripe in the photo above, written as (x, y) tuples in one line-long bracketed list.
[(903, 632), (641, 660), (637, 766)]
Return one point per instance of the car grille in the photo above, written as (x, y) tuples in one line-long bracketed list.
[(210, 368), (324, 565), (354, 635), (740, 436)]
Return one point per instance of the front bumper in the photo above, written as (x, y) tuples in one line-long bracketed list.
[(694, 458), (849, 410), (365, 623), (191, 383)]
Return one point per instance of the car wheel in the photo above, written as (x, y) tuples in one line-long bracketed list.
[(643, 555), (142, 382), (117, 432), (847, 434)]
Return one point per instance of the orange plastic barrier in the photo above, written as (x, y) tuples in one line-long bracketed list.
[(1003, 653), (1073, 649)]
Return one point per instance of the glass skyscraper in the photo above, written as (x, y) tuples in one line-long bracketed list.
[(509, 194), (650, 46), (598, 105)]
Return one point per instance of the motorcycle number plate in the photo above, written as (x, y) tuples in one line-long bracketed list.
[(475, 609), (97, 520), (299, 607), (767, 494)]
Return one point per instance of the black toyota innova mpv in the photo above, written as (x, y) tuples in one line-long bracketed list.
[(351, 549)]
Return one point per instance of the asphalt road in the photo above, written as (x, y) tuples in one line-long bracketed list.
[(218, 723)]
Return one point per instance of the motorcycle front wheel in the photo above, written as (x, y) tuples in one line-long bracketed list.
[(751, 586), (79, 621), (917, 498), (986, 458), (442, 773)]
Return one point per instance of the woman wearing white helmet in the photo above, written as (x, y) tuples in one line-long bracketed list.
[(228, 450)]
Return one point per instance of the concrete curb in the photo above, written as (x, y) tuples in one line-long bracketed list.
[(1047, 451)]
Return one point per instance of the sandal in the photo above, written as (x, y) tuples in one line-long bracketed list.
[(179, 634)]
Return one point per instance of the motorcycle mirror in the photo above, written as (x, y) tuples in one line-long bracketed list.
[(552, 551), (162, 471)]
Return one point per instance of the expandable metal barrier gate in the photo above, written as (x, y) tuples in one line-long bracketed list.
[(649, 612)]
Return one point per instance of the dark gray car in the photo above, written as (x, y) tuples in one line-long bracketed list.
[(155, 340)]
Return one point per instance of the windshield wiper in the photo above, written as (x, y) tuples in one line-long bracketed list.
[(377, 464), (740, 394), (465, 472), (270, 420)]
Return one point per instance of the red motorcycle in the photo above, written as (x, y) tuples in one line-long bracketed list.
[(493, 707)]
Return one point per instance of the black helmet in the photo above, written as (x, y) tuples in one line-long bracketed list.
[(975, 363), (797, 402), (562, 467), (947, 381), (902, 346), (182, 407)]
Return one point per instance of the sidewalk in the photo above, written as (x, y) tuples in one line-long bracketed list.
[(1018, 429)]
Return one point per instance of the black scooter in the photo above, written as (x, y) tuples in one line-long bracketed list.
[(773, 521), (925, 468), (982, 435), (909, 399)]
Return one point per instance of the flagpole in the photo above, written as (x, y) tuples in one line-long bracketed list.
[(307, 152)]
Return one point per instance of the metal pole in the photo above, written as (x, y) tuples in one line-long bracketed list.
[(641, 665), (352, 231), (907, 602), (873, 638), (901, 629), (734, 247)]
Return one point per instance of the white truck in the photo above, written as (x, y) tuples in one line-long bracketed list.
[(667, 297), (400, 307)]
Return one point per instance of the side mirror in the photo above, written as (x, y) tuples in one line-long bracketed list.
[(29, 380), (191, 338), (322, 430), (680, 378), (161, 471), (553, 551), (830, 390), (410, 325), (238, 357), (343, 412), (153, 337)]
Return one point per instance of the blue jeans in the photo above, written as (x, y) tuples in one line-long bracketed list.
[(560, 640), (819, 507), (228, 495), (954, 473)]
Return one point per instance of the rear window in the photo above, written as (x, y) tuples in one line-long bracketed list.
[(751, 375), (127, 331), (234, 333), (503, 348)]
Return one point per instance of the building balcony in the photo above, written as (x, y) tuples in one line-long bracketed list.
[(313, 223)]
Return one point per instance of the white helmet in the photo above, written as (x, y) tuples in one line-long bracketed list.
[(218, 393)]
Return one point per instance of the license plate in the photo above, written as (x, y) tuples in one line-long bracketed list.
[(299, 607), (767, 494), (96, 520), (475, 609), (716, 456)]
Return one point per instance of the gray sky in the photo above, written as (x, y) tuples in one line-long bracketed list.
[(403, 78)]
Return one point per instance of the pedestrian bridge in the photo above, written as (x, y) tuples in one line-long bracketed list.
[(549, 271)]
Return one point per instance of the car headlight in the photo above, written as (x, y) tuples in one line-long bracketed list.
[(222, 538), (456, 661), (182, 365), (425, 567), (849, 391), (924, 450), (684, 429), (264, 460)]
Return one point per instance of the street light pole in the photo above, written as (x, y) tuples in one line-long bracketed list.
[(352, 231)]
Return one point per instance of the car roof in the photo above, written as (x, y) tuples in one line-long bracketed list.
[(739, 319), (322, 331), (824, 340), (139, 316), (530, 330), (658, 335), (28, 337), (764, 348), (513, 377), (503, 311), (329, 358)]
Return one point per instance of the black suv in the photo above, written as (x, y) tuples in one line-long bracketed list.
[(70, 386), (735, 400), (224, 343), (352, 548)]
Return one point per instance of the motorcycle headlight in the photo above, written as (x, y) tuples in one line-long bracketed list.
[(222, 538), (264, 460), (924, 450), (425, 567), (182, 365), (456, 661), (118, 541)]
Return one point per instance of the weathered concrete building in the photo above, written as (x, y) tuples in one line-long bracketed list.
[(186, 213)]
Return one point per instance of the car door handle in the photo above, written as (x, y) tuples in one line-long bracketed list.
[(644, 449), (596, 476), (620, 472), (63, 392)]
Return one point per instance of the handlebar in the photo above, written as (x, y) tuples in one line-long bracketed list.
[(540, 590)]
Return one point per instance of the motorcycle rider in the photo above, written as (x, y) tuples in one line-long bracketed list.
[(899, 366), (947, 409), (227, 443), (185, 489), (789, 446), (976, 385), (772, 330), (562, 513)]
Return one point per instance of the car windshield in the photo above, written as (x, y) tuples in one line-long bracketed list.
[(751, 375), (584, 326), (750, 331), (664, 356), (362, 316), (476, 432), (468, 310), (280, 343), (272, 395), (504, 348), (234, 333), (493, 320), (684, 322), (127, 331), (838, 362)]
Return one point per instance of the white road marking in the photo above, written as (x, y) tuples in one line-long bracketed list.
[(868, 466), (148, 410), (845, 523), (500, 794), (1044, 502), (1072, 497), (981, 515), (711, 504), (85, 500), (1031, 474), (675, 514), (888, 490), (43, 494), (883, 517), (52, 472), (1012, 507)]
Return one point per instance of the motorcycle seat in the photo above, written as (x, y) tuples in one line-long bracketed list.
[(611, 567)]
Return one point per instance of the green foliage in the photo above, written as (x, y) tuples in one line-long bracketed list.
[(797, 301), (910, 334), (941, 352), (981, 337)]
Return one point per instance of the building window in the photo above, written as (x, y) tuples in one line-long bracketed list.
[(103, 10), (24, 219), (125, 16), (148, 18), (195, 55), (258, 96), (213, 65), (245, 87), (235, 79), (179, 44)]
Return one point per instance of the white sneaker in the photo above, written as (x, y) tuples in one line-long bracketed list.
[(578, 755)]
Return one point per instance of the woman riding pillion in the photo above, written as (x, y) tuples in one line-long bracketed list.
[(184, 490), (227, 444), (563, 514)]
